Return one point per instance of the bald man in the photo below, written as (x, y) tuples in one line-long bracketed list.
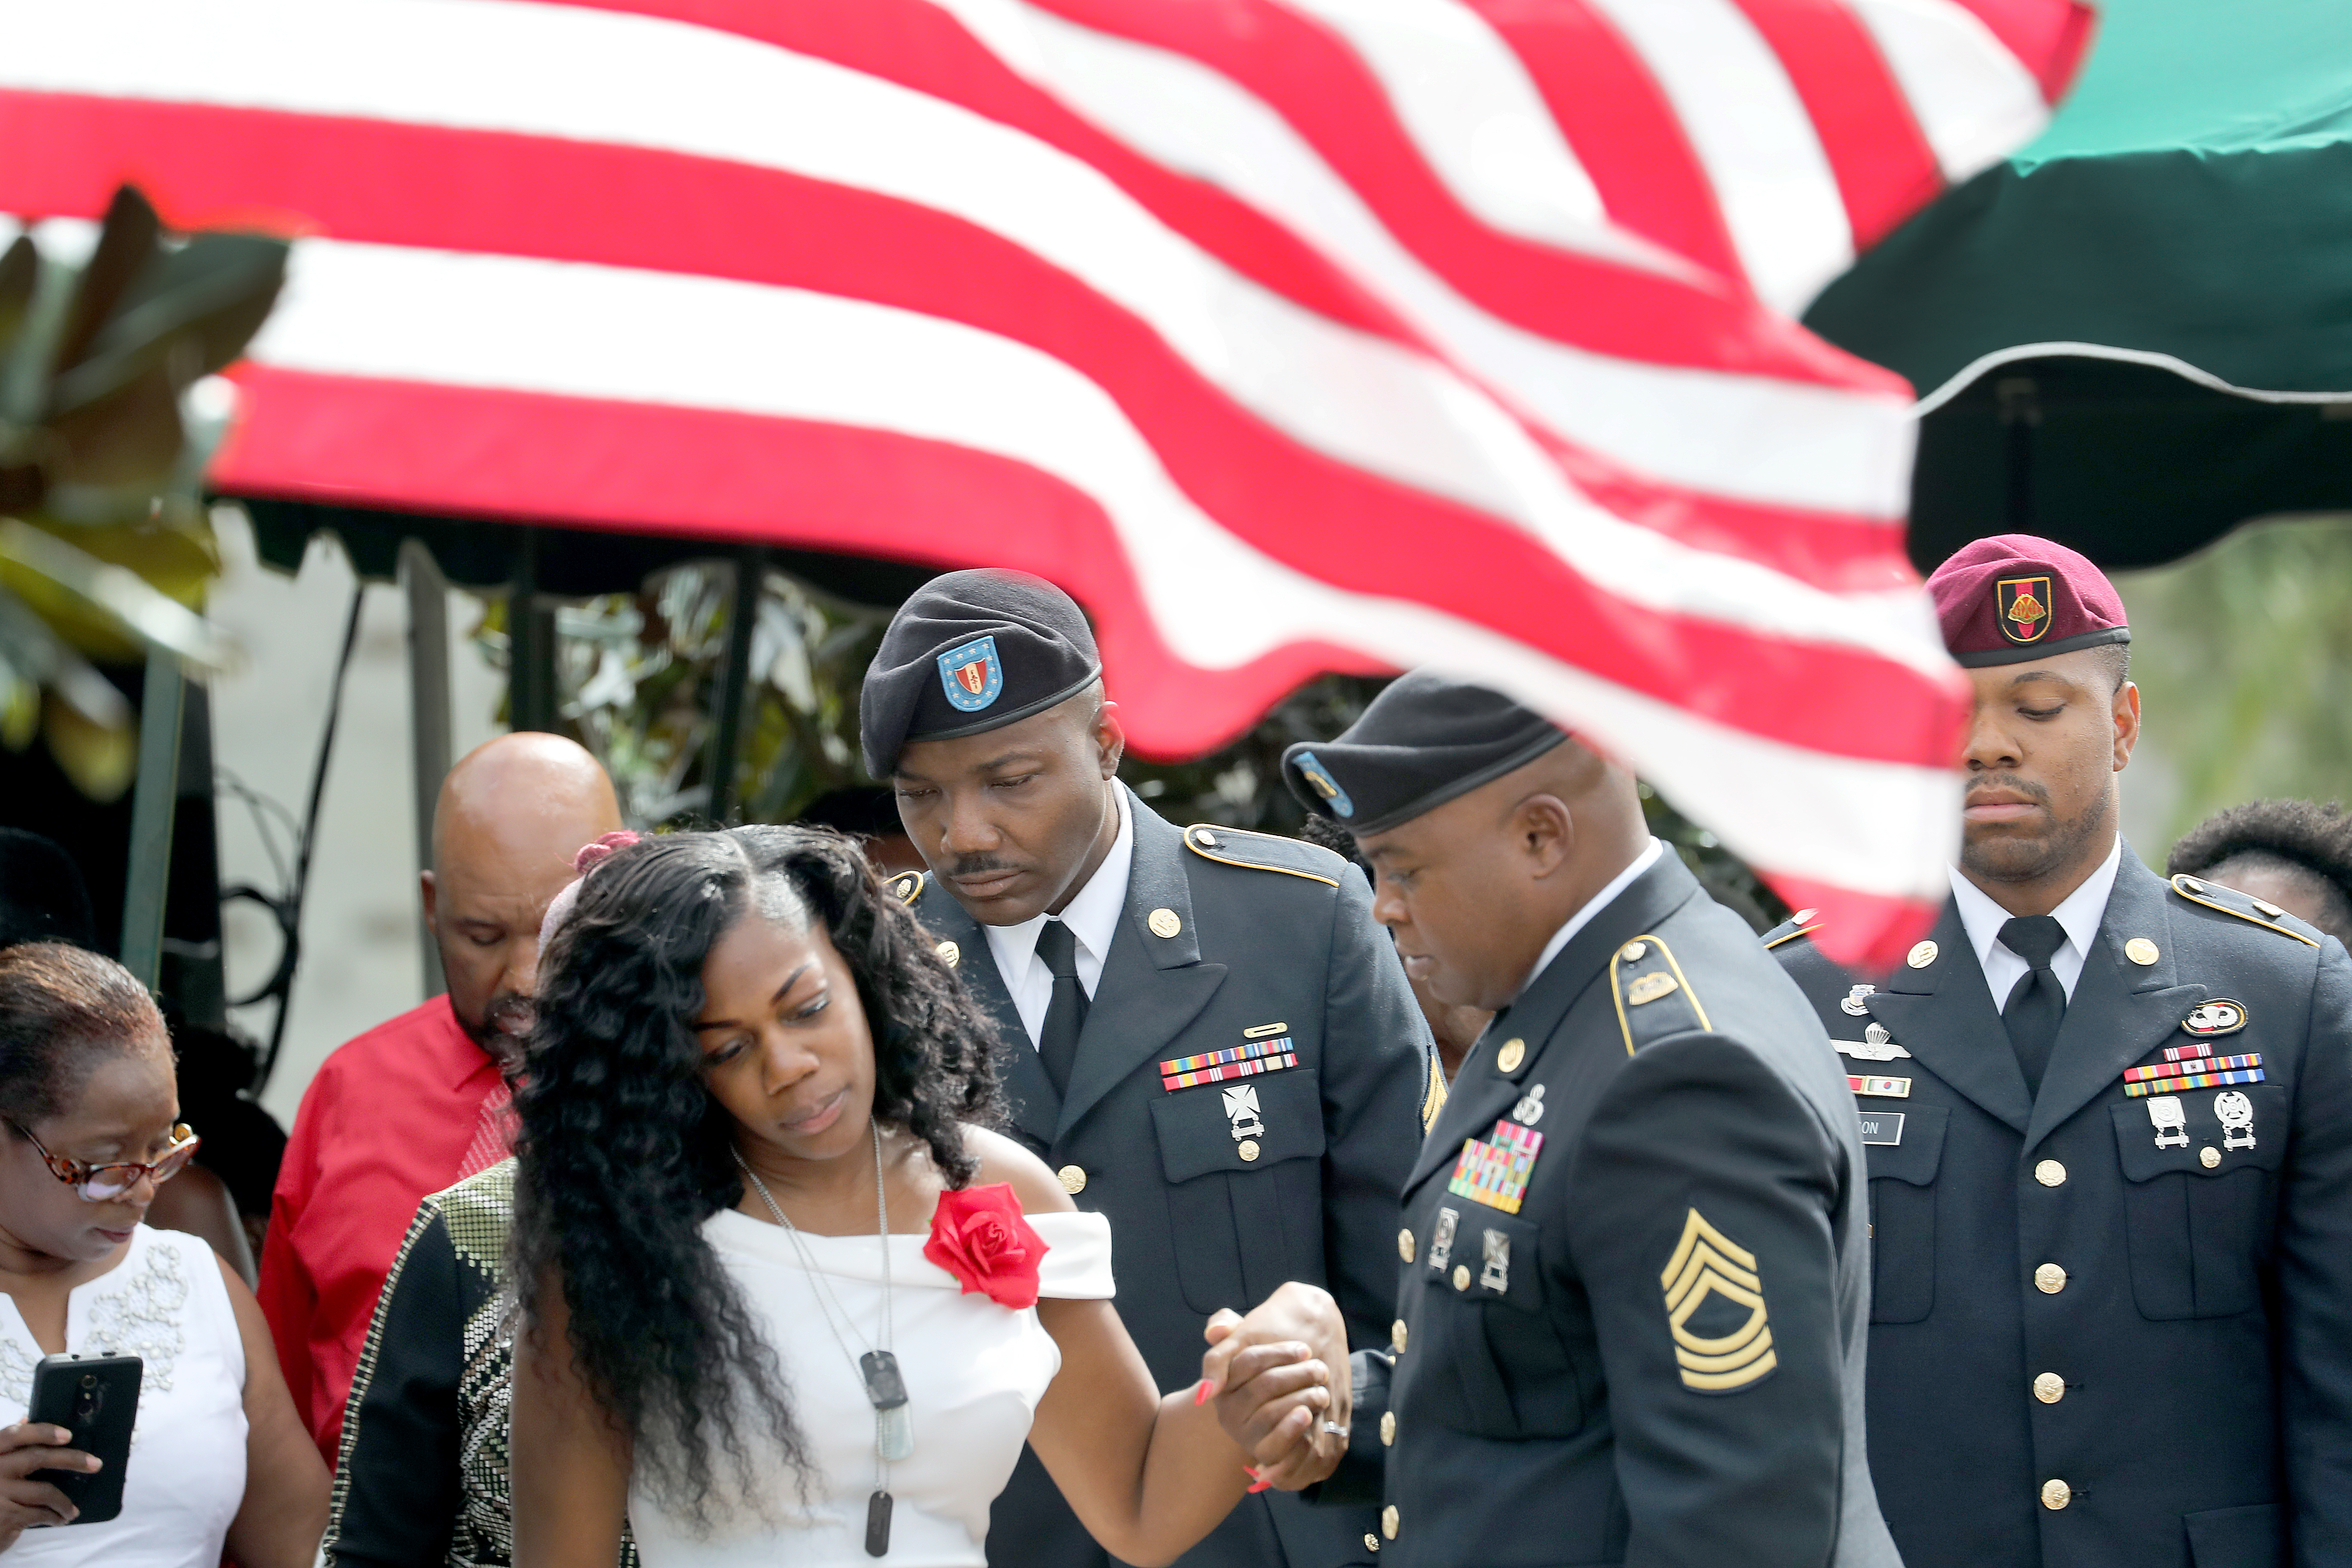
[(420, 1102)]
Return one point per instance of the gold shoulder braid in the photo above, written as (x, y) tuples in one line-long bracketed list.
[(2230, 901), (1433, 1101), (1654, 997)]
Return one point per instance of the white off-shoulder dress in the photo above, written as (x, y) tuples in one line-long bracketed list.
[(975, 1373)]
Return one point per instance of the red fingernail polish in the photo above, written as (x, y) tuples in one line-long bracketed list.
[(1259, 1485), (1200, 1395)]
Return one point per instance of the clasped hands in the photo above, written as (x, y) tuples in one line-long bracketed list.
[(1280, 1379)]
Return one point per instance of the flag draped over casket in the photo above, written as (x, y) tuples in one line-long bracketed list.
[(1289, 335)]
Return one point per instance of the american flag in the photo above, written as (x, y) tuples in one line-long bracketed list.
[(1289, 335)]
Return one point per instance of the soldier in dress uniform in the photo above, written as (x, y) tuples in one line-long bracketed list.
[(1203, 1030), (1631, 1271), (2109, 1126)]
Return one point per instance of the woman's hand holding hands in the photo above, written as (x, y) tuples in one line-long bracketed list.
[(24, 1449), (1280, 1378)]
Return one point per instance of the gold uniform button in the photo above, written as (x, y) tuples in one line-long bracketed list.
[(1387, 1427), (1462, 1277), (2050, 1388), (1247, 1150), (1633, 952), (2142, 951), (1921, 956), (1163, 922), (1371, 1541), (1404, 1244), (1389, 1521), (2056, 1494), (1073, 1180), (2208, 1156), (2050, 1279), (2050, 1174), (950, 954), (1513, 1053), (1397, 1336)]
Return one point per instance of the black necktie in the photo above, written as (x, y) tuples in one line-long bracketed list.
[(2038, 1003), (1058, 1042)]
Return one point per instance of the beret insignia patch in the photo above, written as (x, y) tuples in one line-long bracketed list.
[(1320, 776), (2024, 603), (1715, 1308), (972, 675)]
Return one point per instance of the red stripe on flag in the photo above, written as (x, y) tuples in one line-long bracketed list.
[(1885, 169), (698, 473), (1621, 123)]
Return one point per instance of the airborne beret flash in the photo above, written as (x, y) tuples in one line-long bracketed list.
[(972, 651), (2014, 597), (1421, 743)]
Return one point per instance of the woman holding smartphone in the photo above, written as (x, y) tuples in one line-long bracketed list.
[(88, 1128), (789, 1299)]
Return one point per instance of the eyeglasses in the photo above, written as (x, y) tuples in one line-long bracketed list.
[(100, 1184)]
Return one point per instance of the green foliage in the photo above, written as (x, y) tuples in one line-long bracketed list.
[(2243, 654), (638, 679), (105, 548)]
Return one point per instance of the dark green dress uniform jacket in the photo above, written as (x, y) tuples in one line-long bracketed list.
[(1653, 1353), (1271, 940), (2098, 1341)]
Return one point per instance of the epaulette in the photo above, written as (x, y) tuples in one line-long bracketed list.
[(2252, 910), (1653, 996), (907, 886), (1804, 922), (1264, 852)]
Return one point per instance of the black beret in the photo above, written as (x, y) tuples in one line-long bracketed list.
[(972, 651), (1421, 743)]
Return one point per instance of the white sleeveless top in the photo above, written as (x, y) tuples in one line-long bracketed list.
[(164, 1303), (975, 1373)]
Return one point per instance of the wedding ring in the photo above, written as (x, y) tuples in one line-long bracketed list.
[(1333, 1429)]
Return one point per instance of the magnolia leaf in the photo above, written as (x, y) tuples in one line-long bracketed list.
[(116, 451), (20, 268), (41, 560), (127, 241), (20, 711), (190, 313), (100, 759)]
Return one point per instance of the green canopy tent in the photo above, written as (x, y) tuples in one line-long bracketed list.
[(2137, 332)]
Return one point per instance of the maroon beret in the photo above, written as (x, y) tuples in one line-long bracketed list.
[(2014, 597)]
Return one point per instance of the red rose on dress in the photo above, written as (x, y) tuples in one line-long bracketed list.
[(980, 1236)]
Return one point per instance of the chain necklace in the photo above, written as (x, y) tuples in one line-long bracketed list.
[(893, 1425)]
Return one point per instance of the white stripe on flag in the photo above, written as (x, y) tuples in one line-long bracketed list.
[(1772, 181), (467, 319), (1975, 101)]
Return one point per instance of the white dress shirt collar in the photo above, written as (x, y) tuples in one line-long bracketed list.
[(2081, 913), (1593, 906), (1092, 914)]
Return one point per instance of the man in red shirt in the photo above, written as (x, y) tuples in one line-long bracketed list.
[(420, 1102)]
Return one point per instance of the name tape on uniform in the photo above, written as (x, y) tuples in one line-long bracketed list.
[(1234, 1061), (2192, 1072), (1495, 1172), (1884, 1128)]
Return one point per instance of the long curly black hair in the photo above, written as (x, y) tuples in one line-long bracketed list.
[(623, 1153)]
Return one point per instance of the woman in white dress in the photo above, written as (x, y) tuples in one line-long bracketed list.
[(89, 1126), (790, 1302)]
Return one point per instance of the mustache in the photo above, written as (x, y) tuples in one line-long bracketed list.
[(511, 1012), (979, 866), (2038, 794)]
